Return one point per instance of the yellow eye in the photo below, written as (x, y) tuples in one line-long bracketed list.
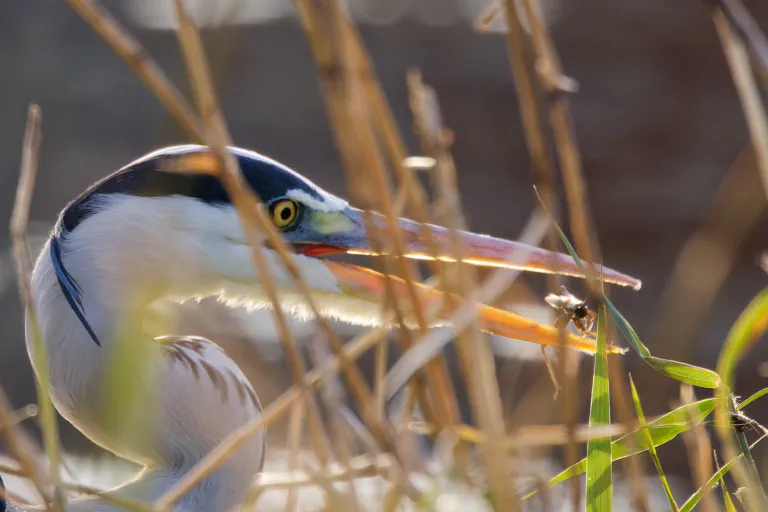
[(284, 213)]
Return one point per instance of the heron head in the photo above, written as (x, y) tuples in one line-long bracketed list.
[(173, 199)]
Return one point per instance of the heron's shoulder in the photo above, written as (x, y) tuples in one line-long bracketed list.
[(206, 360)]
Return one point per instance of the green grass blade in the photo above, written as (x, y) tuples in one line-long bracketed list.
[(683, 372), (651, 447), (696, 497), (599, 471), (662, 430), (727, 501), (751, 399), (745, 333)]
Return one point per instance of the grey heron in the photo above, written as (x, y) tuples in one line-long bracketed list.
[(144, 234)]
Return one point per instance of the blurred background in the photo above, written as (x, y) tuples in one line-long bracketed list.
[(671, 176)]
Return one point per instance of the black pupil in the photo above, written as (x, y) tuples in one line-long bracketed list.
[(580, 312), (285, 213)]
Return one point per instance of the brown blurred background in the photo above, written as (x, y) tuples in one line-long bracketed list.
[(657, 119)]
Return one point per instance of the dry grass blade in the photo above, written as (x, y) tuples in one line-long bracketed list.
[(347, 82), (19, 223), (741, 70)]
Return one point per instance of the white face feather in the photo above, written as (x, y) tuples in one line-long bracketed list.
[(179, 244)]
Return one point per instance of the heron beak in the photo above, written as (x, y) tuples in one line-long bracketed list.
[(344, 232)]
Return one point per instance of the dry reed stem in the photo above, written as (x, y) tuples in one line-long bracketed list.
[(475, 352), (19, 223), (344, 76), (410, 196), (747, 28), (555, 86), (534, 436), (124, 45), (699, 451), (218, 135), (536, 136), (295, 433), (749, 95)]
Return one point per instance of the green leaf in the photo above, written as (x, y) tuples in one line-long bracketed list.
[(651, 447), (662, 430), (696, 497), (683, 372), (599, 473)]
